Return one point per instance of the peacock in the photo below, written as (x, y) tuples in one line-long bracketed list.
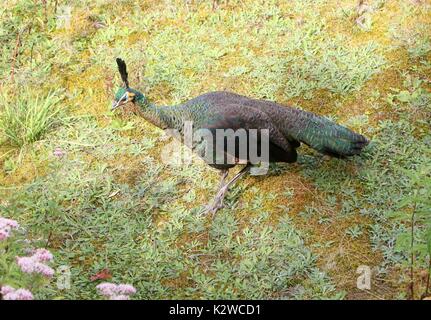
[(280, 128)]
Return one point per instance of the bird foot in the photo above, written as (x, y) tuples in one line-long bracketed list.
[(213, 208)]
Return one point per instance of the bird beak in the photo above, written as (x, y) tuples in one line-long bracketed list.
[(115, 105)]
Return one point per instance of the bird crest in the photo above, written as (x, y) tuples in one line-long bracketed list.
[(126, 94), (123, 72)]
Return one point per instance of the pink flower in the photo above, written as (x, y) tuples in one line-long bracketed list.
[(6, 225), (4, 234), (43, 269), (43, 255), (27, 264), (8, 222), (34, 263), (24, 294), (58, 153), (107, 289), (10, 293), (126, 289), (6, 289), (116, 292)]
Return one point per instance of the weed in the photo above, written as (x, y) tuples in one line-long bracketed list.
[(25, 119)]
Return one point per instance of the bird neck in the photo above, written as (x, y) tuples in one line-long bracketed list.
[(163, 117)]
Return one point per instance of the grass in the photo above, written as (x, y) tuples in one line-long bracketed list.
[(298, 233), (25, 118)]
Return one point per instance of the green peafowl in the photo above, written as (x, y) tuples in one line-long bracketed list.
[(286, 128)]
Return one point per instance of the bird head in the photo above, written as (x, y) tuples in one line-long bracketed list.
[(125, 94)]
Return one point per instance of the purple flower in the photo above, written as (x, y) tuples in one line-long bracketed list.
[(8, 222), (116, 292), (107, 289), (6, 225), (34, 263), (26, 264), (126, 289), (6, 289), (43, 269), (43, 255), (10, 293), (4, 234), (58, 153)]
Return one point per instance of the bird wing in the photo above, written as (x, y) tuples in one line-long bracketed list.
[(235, 116)]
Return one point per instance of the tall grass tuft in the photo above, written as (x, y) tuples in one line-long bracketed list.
[(25, 118)]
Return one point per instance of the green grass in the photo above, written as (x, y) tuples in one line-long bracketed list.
[(26, 118), (91, 215), (298, 233)]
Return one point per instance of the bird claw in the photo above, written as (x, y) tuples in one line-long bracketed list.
[(216, 206), (218, 202)]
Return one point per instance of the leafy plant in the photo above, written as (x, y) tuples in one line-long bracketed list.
[(421, 49), (416, 204), (354, 232)]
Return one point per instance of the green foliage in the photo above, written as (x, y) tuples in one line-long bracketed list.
[(354, 232), (323, 64), (179, 56), (415, 207), (414, 37), (25, 118), (415, 96), (421, 49), (264, 262), (109, 202)]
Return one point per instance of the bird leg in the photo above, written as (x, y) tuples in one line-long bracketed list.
[(223, 175), (218, 200)]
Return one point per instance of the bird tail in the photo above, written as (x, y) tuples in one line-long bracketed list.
[(326, 136)]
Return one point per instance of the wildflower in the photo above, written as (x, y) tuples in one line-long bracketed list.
[(43, 269), (107, 289), (126, 289), (8, 222), (6, 226), (6, 289), (26, 264), (58, 153), (116, 292), (10, 293), (4, 234), (35, 263), (43, 255)]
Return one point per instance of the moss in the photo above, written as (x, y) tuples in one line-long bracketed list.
[(177, 51)]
